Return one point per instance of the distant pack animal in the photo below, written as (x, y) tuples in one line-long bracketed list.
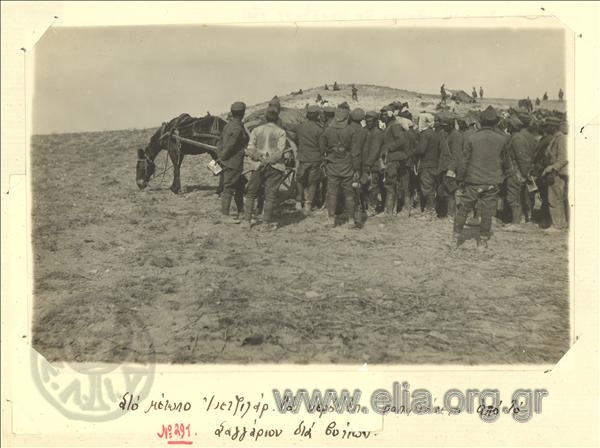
[(526, 104), (399, 105), (183, 135)]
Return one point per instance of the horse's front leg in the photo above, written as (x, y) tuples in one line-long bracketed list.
[(176, 160)]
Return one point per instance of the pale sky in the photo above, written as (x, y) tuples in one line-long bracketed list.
[(89, 79)]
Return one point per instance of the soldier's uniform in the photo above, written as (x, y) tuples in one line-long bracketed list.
[(407, 167), (539, 162), (451, 157), (321, 200), (310, 157), (343, 145), (412, 194), (230, 152), (529, 198), (373, 188), (429, 151), (482, 173), (265, 156), (519, 152), (396, 150), (557, 176)]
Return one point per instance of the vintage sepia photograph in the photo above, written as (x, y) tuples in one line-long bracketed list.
[(348, 193)]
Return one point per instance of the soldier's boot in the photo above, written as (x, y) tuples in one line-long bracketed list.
[(269, 209), (220, 188), (457, 239), (482, 243), (372, 210), (249, 210), (299, 196), (307, 210), (225, 203), (238, 198), (332, 199), (225, 207), (451, 207), (405, 211), (390, 203), (516, 214), (353, 211)]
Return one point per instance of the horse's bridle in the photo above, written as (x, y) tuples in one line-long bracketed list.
[(147, 161)]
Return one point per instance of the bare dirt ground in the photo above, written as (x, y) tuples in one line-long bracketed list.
[(207, 292)]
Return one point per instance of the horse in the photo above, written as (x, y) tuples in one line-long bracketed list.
[(183, 135)]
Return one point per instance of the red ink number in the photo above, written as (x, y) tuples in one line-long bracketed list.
[(176, 432)]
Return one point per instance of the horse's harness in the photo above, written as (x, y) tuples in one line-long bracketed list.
[(146, 160), (167, 132)]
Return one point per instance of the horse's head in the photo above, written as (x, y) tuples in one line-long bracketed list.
[(144, 169)]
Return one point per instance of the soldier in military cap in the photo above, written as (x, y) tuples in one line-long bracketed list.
[(529, 132), (310, 158), (343, 155), (451, 143), (353, 138), (428, 149), (321, 199), (328, 113), (515, 157), (275, 103), (482, 175), (374, 189), (396, 150), (407, 181), (538, 165), (520, 150), (266, 154), (231, 157), (556, 173)]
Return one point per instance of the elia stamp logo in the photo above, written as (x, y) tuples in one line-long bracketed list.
[(92, 391)]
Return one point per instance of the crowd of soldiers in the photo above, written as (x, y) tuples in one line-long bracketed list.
[(364, 165)]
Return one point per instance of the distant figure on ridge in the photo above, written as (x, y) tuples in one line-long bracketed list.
[(480, 92), (326, 87), (474, 94), (354, 93), (335, 86), (443, 93), (545, 97), (561, 94)]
